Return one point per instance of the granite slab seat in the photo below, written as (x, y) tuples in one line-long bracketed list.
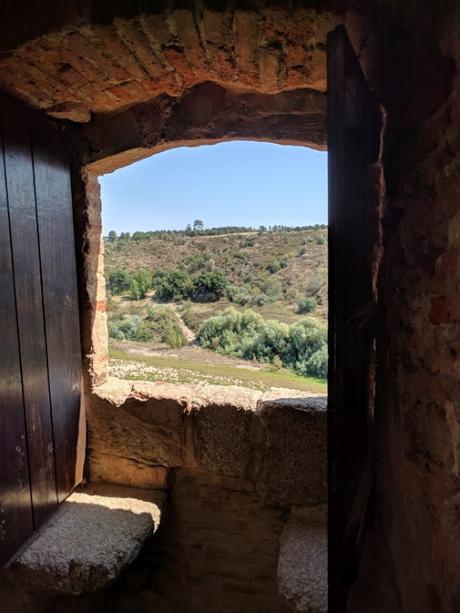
[(88, 541), (302, 562)]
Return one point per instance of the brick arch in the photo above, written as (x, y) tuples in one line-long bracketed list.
[(97, 61)]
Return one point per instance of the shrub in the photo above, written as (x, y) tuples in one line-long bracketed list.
[(173, 337), (301, 347), (140, 284), (306, 305), (274, 266), (231, 331), (272, 288), (306, 337), (170, 285), (238, 295), (260, 299), (314, 284), (316, 365), (125, 328), (195, 262), (119, 281), (164, 322), (160, 324), (208, 287)]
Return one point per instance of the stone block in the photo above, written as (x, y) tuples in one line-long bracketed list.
[(226, 431), (110, 468), (302, 562), (88, 541), (294, 468), (221, 542), (145, 426)]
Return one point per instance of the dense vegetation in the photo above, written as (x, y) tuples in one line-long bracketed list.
[(160, 324), (301, 346), (180, 285), (243, 292), (252, 269)]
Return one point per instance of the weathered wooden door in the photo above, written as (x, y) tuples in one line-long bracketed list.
[(40, 362), (354, 126)]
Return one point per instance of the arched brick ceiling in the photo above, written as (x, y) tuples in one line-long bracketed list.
[(86, 66)]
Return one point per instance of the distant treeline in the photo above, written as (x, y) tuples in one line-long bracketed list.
[(190, 230)]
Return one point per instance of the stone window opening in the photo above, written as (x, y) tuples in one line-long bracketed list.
[(286, 283)]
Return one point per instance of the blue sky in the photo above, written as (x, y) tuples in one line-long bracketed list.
[(235, 183)]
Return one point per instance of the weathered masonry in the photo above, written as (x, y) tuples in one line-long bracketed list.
[(91, 86)]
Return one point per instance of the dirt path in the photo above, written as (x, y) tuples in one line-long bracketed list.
[(189, 334), (189, 353)]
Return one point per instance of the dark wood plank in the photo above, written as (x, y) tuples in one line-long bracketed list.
[(353, 149), (15, 498), (55, 222), (29, 304)]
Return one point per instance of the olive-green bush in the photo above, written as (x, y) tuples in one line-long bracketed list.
[(160, 325), (245, 334)]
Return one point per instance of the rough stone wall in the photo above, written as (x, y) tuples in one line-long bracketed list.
[(242, 470), (412, 558), (89, 246), (206, 113), (105, 57), (245, 478)]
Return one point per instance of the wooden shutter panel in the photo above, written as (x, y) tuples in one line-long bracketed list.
[(354, 125), (40, 359)]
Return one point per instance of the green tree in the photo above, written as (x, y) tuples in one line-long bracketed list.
[(198, 225), (208, 287), (112, 236), (170, 284), (119, 281), (140, 284)]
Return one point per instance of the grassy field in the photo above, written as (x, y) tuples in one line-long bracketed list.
[(182, 370)]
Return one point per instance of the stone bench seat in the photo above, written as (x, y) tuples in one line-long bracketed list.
[(88, 540), (302, 561)]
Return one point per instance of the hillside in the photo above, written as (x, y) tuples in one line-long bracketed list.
[(221, 307), (293, 263)]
